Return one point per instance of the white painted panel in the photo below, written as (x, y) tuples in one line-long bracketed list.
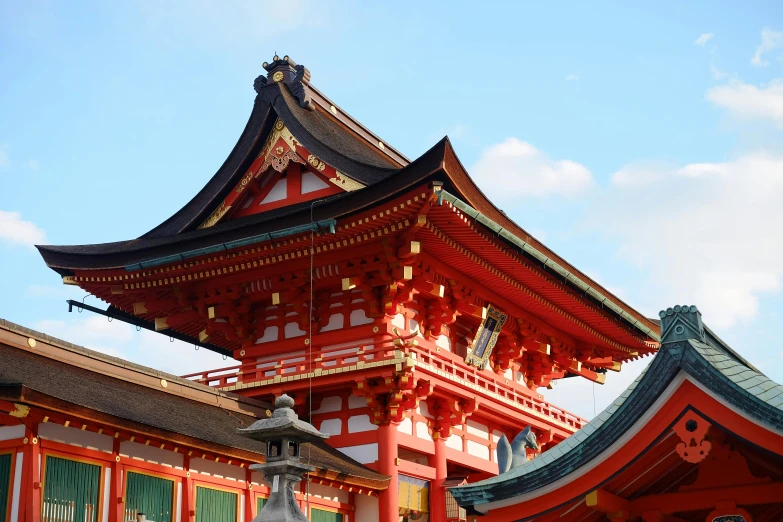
[(332, 426), (399, 321), (413, 323), (508, 374), (293, 330), (366, 508), (478, 429), (329, 493), (478, 450), (178, 507), (358, 317), (278, 192), (356, 402), (311, 183), (164, 457), (454, 442), (424, 410), (270, 334), (422, 431), (406, 426), (359, 423), (496, 434), (336, 321), (444, 342), (75, 436), (363, 453), (217, 469), (17, 490), (12, 432), (330, 404), (106, 492)]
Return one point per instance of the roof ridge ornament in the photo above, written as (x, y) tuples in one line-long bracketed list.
[(681, 323), (285, 70)]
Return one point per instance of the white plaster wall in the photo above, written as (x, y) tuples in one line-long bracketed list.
[(293, 330), (363, 453), (330, 404), (356, 402), (359, 423), (359, 317), (17, 489), (399, 321), (336, 322), (332, 426), (454, 442), (422, 431), (311, 183), (406, 426), (444, 342), (424, 410), (217, 469), (366, 508), (12, 432), (178, 507), (278, 192), (496, 434), (75, 436), (329, 493), (106, 492), (478, 450), (154, 454), (478, 429), (270, 334)]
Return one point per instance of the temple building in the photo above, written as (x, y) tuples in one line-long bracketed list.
[(409, 318), (698, 437)]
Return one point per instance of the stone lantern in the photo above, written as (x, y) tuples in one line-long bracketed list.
[(283, 434)]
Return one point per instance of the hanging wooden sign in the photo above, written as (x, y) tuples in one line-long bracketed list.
[(486, 337)]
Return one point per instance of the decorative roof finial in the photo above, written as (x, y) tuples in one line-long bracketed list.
[(681, 323), (285, 70)]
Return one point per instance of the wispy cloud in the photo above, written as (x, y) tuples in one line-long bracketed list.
[(703, 39), (571, 77), (770, 40), (16, 231), (514, 168), (32, 164), (748, 102)]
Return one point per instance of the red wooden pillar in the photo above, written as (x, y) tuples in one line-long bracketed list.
[(249, 496), (388, 501), (31, 492), (188, 509), (437, 491), (116, 504)]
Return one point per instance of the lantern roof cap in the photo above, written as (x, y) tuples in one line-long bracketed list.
[(284, 423)]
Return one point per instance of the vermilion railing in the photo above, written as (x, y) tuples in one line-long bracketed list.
[(429, 359)]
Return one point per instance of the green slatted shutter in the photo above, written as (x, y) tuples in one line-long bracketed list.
[(321, 515), (260, 502), (213, 505), (5, 485), (153, 496), (71, 491)]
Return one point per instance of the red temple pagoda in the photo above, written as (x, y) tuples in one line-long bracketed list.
[(410, 318)]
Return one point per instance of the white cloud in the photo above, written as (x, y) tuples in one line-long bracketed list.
[(770, 40), (704, 233), (749, 102), (143, 347), (5, 157), (703, 39), (14, 230), (571, 77), (514, 168)]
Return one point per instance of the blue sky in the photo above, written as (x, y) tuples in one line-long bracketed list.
[(642, 143)]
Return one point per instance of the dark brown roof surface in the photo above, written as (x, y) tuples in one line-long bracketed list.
[(157, 409)]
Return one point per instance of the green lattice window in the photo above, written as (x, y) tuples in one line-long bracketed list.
[(5, 485), (321, 515), (213, 505), (153, 496), (71, 491), (260, 502)]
